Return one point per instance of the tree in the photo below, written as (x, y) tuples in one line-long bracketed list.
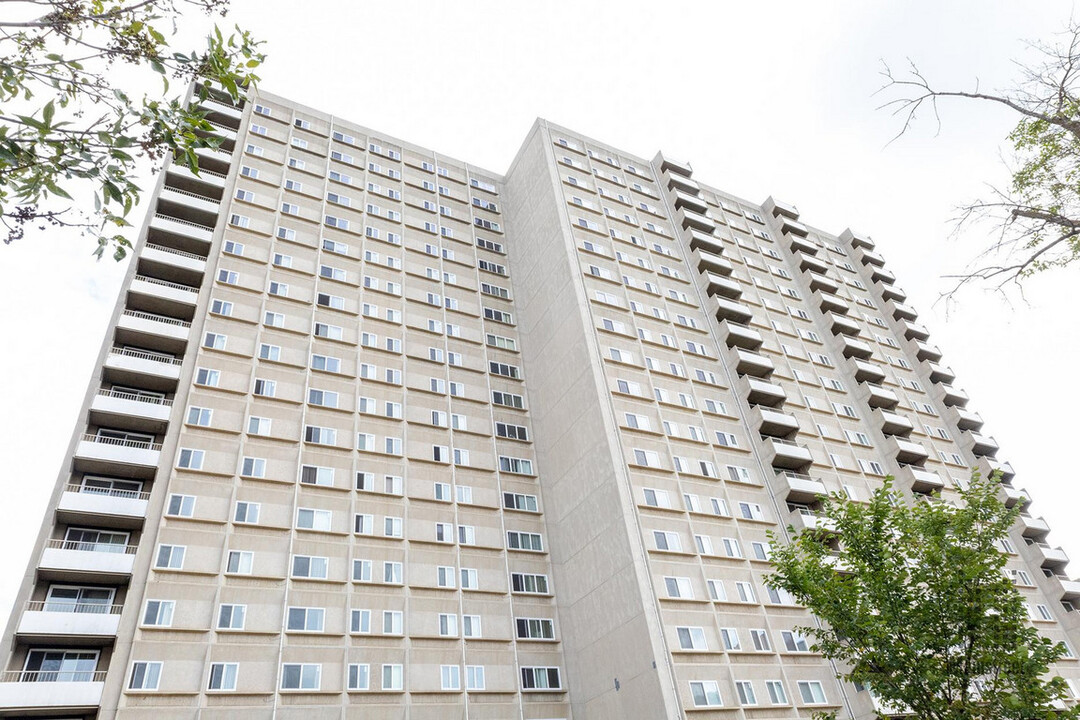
[(1035, 221), (915, 603), (72, 123)]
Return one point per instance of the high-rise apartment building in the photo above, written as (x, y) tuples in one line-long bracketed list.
[(379, 434)]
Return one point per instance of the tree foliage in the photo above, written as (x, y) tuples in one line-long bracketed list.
[(916, 604), (73, 121), (1035, 220)]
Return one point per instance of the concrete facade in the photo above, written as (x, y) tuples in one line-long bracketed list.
[(377, 433)]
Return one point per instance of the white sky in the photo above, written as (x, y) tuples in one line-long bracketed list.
[(766, 98)]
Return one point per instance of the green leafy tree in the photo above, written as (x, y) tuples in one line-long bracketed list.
[(73, 120), (1035, 220), (915, 604)]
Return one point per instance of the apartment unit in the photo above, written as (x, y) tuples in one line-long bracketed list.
[(378, 433)]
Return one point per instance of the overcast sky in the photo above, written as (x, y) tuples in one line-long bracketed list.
[(764, 99)]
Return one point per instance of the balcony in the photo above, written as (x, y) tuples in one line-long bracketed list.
[(723, 286), (841, 324), (214, 159), (877, 396), (804, 520), (829, 302), (905, 451), (978, 444), (855, 348), (187, 231), (70, 623), (925, 351), (1035, 528), (690, 219), (1014, 496), (772, 422), (86, 562), (112, 456), (142, 368), (152, 295), (809, 263), (762, 392), (159, 332), (705, 242), (987, 467), (215, 109), (857, 239), (802, 245), (748, 362), (793, 227), (778, 208), (206, 181), (674, 167), (32, 692), (102, 507), (708, 262), (900, 311), (227, 134), (867, 371), (787, 454), (188, 205), (867, 256), (691, 201), (939, 373), (177, 266), (1063, 588), (914, 330), (739, 335), (681, 182), (731, 310), (130, 410), (892, 423), (920, 480), (1046, 556), (881, 275), (890, 292), (822, 283), (793, 487)]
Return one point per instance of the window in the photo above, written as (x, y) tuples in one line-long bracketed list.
[(540, 678), (794, 642), (760, 639), (306, 676), (181, 506), (145, 676), (253, 467), (170, 557), (239, 562), (451, 677), (706, 693), (158, 613), (223, 676), (474, 677), (745, 689), (392, 677), (679, 587), (359, 676), (524, 541), (305, 619), (231, 617), (529, 584), (311, 519), (360, 621), (777, 694), (469, 579), (811, 692), (692, 638), (448, 625), (470, 626), (392, 622), (730, 638), (246, 512), (306, 566), (535, 628)]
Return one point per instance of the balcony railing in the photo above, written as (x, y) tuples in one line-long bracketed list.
[(29, 676), (190, 194), (68, 606), (166, 283), (144, 355), (82, 546), (107, 492), (170, 218), (123, 442), (137, 397), (156, 318), (181, 253)]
